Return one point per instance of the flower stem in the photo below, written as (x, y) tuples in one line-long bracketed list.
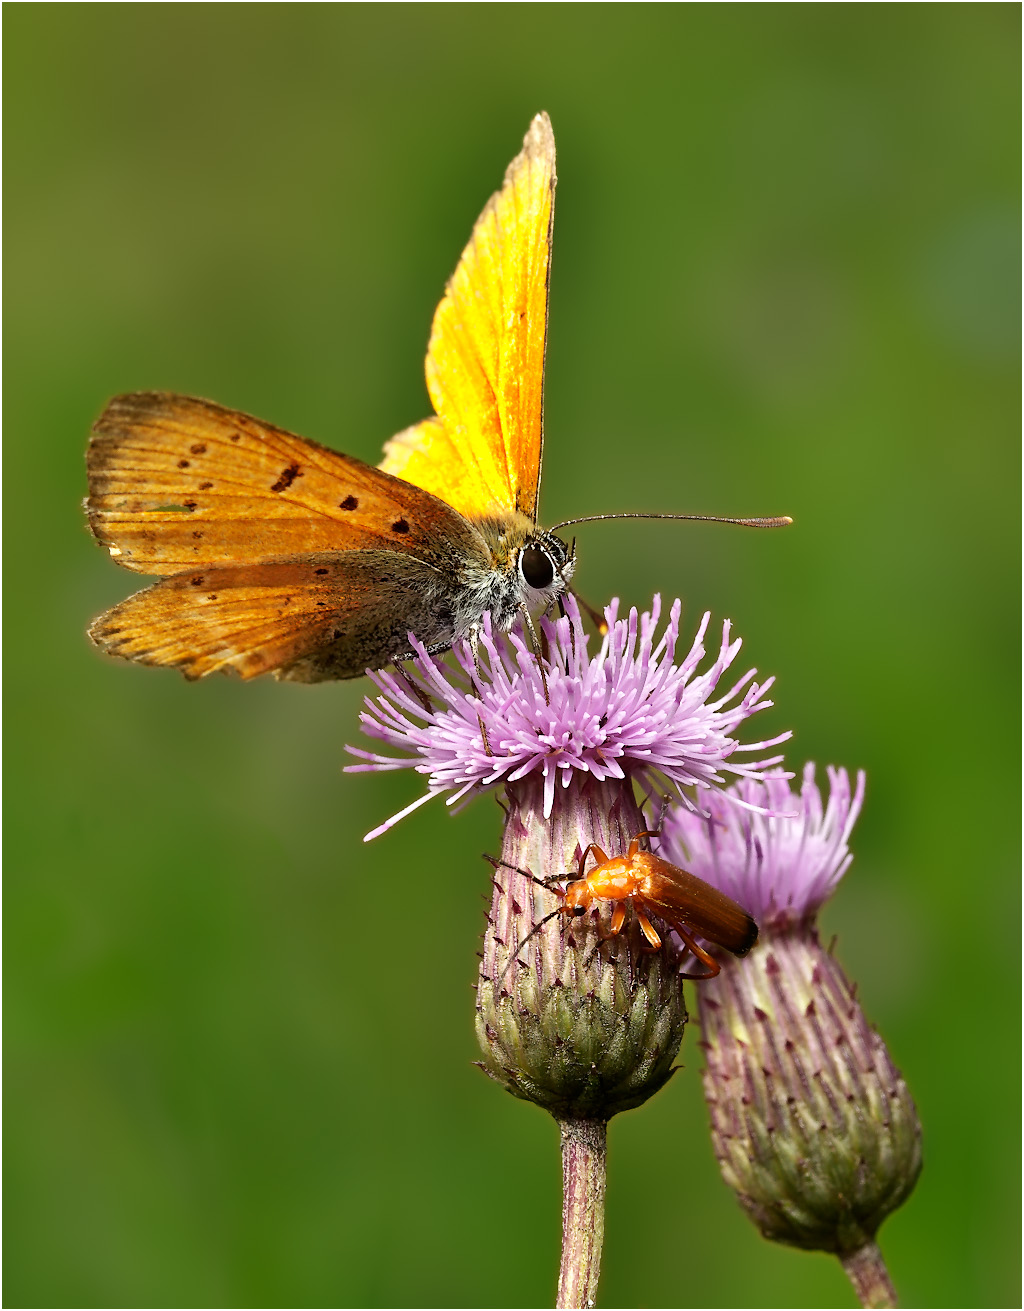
[(869, 1277), (584, 1168)]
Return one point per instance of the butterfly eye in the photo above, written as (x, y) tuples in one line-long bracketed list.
[(536, 567)]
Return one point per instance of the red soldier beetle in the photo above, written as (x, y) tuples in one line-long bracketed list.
[(651, 886)]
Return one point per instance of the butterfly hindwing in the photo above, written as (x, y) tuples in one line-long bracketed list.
[(330, 615)]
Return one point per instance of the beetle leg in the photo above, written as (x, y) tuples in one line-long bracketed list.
[(709, 960), (618, 919), (599, 856), (650, 932)]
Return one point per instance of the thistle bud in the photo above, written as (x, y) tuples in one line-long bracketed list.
[(812, 1124), (582, 1028)]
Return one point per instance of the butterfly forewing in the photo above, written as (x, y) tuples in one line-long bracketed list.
[(176, 482), (485, 362), (283, 555)]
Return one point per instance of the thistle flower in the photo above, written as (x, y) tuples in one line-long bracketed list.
[(813, 1125), (627, 712), (579, 1025)]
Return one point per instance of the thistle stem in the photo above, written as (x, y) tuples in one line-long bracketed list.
[(584, 1169), (869, 1277)]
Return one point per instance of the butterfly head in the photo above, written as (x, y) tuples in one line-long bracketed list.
[(529, 569), (544, 565)]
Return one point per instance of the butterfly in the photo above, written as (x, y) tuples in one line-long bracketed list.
[(281, 555)]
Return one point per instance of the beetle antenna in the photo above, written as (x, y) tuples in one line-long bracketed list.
[(778, 521), (541, 883), (533, 933)]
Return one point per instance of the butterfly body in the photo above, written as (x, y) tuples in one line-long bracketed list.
[(281, 555)]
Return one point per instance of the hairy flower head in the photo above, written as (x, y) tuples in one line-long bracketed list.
[(782, 854), (629, 710)]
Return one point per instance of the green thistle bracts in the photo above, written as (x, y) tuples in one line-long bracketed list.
[(812, 1124), (583, 1029)]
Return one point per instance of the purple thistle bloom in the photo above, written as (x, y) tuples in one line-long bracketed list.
[(628, 711), (782, 855)]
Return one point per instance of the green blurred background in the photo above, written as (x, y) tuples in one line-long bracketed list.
[(239, 1041)]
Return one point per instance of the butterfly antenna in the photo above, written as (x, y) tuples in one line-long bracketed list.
[(779, 521)]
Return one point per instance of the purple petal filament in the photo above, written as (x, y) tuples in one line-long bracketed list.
[(629, 710), (777, 865)]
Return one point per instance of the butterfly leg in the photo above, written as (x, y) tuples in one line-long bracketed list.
[(473, 637), (414, 687), (535, 642)]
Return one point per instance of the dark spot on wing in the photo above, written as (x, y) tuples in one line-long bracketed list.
[(183, 464), (197, 533), (205, 487), (321, 605), (236, 436), (190, 505), (197, 581), (212, 596), (198, 449), (349, 503), (399, 526), (322, 571), (287, 477), (335, 636)]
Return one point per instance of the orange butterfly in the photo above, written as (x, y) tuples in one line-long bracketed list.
[(288, 557)]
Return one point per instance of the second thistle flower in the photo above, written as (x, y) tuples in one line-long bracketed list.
[(813, 1125)]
